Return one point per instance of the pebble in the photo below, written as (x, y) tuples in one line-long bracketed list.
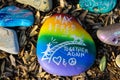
[(117, 60), (12, 16), (98, 6), (110, 34), (8, 41), (64, 47), (42, 5)]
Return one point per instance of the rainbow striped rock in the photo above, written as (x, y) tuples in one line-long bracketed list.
[(12, 16), (64, 48)]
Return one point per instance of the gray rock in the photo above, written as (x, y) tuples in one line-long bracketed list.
[(8, 41), (42, 5)]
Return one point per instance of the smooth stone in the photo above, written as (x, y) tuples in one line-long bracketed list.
[(8, 41), (42, 5), (110, 34), (117, 60), (12, 16), (98, 6), (64, 48)]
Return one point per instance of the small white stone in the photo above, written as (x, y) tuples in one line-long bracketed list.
[(118, 60), (42, 5), (8, 41)]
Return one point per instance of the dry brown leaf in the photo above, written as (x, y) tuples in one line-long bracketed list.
[(41, 75), (33, 50), (32, 66), (22, 67), (37, 17), (12, 59), (90, 21), (40, 69), (33, 58), (33, 31), (82, 16), (21, 53), (79, 77), (2, 67), (22, 70), (22, 38), (106, 20), (8, 74), (44, 19), (3, 55), (62, 4), (67, 9), (47, 76), (27, 56), (89, 16), (24, 60)]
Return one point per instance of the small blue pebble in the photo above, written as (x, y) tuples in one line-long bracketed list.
[(12, 16), (98, 6)]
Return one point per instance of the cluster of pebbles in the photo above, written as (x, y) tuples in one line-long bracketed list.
[(25, 65)]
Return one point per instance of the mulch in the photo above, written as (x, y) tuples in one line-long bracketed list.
[(25, 66)]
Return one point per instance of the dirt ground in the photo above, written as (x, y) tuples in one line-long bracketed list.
[(25, 66)]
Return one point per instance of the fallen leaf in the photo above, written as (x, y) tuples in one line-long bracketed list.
[(3, 55), (102, 64), (2, 67), (12, 59)]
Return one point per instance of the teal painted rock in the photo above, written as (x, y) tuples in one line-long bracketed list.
[(64, 48), (98, 6), (8, 41), (12, 16)]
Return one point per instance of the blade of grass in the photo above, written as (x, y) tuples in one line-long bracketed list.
[(102, 64)]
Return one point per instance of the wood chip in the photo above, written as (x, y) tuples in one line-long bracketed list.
[(62, 4), (41, 75), (82, 16), (32, 66), (2, 67), (12, 60), (3, 55)]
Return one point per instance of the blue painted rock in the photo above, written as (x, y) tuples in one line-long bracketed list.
[(8, 41), (64, 47), (110, 34), (42, 5), (98, 6), (12, 16)]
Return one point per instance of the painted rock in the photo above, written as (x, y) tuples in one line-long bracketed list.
[(12, 16), (8, 41), (110, 34), (117, 60), (42, 5), (64, 48), (98, 6)]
